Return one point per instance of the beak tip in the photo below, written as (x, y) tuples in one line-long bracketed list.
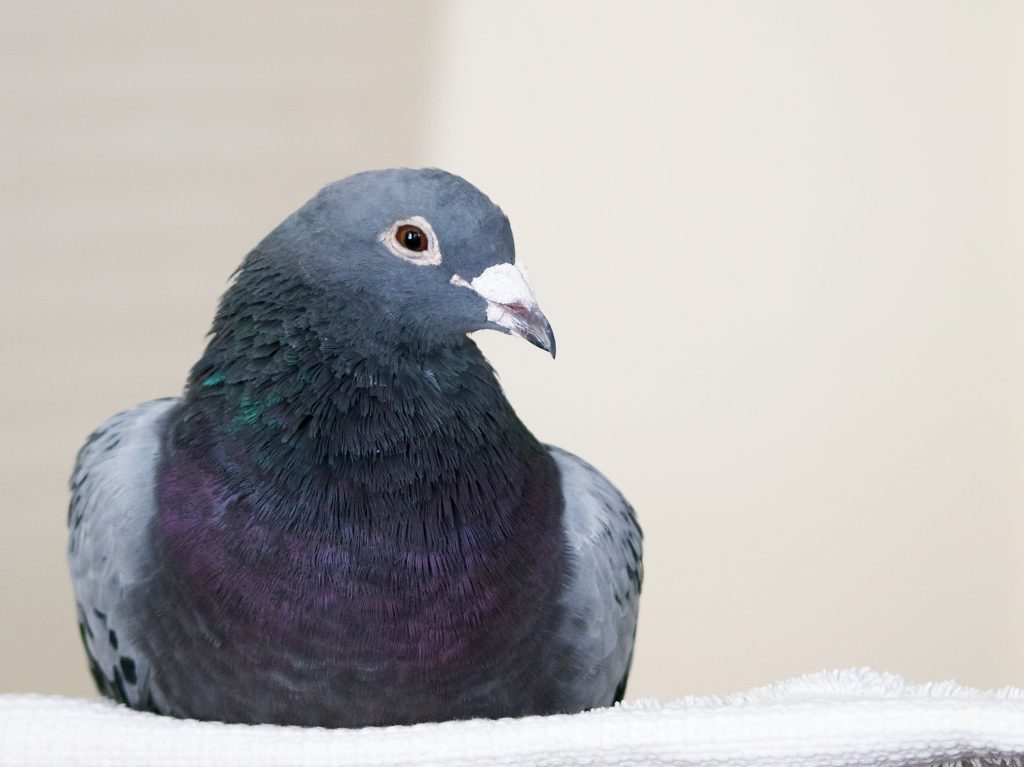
[(541, 342), (543, 337)]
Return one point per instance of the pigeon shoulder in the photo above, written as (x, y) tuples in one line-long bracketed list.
[(605, 549), (113, 502)]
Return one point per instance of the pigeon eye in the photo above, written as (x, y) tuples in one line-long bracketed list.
[(411, 238)]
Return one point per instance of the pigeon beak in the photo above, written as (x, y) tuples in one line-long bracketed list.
[(511, 304), (535, 328)]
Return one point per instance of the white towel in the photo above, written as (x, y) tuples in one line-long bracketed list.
[(829, 719)]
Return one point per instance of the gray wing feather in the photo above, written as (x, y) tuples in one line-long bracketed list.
[(112, 506), (606, 573)]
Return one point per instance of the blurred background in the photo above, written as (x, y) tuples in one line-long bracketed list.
[(781, 245)]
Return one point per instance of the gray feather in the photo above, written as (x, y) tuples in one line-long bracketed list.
[(603, 595), (112, 507)]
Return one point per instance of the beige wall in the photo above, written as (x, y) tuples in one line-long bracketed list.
[(781, 246)]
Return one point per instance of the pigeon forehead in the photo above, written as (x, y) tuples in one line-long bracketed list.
[(435, 194)]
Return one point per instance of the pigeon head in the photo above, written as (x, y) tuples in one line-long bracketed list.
[(408, 255)]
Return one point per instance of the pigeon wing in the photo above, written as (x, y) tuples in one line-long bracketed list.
[(113, 504), (606, 572)]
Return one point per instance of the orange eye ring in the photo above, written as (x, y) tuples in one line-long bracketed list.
[(412, 238)]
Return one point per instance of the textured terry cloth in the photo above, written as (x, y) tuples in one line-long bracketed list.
[(830, 719)]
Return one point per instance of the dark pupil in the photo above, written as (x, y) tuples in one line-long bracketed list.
[(412, 239)]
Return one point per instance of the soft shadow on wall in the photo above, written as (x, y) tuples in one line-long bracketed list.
[(148, 148)]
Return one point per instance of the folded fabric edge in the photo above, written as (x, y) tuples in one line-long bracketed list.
[(835, 684)]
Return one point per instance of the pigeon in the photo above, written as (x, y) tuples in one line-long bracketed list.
[(342, 522)]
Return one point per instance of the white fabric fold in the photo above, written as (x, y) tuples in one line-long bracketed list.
[(831, 719)]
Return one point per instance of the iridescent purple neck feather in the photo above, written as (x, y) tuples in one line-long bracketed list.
[(323, 487)]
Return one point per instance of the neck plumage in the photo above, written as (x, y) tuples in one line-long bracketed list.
[(326, 432)]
